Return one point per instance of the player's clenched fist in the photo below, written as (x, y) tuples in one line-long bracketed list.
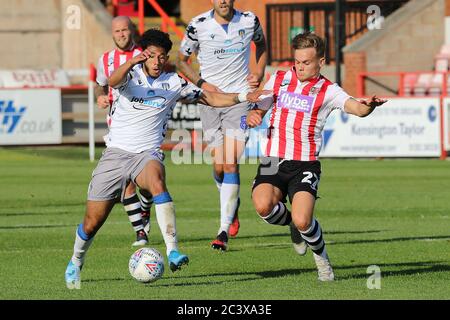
[(143, 56), (253, 81), (254, 118), (103, 102)]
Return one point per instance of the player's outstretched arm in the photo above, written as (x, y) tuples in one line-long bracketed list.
[(362, 108), (119, 75), (220, 100)]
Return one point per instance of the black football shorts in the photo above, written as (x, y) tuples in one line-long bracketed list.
[(290, 176)]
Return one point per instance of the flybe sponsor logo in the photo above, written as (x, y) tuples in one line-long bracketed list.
[(295, 101), (16, 119), (10, 116)]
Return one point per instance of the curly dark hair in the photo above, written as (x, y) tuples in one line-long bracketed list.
[(157, 38)]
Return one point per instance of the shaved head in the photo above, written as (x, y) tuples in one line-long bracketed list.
[(122, 32), (121, 20)]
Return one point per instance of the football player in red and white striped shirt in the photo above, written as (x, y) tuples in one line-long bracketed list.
[(301, 101), (122, 28)]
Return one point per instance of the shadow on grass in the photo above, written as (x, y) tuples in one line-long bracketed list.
[(45, 226), (421, 268), (52, 206), (25, 214), (333, 243), (59, 153), (390, 240), (271, 235), (411, 268)]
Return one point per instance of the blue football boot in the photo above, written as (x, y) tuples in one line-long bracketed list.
[(176, 260), (73, 278)]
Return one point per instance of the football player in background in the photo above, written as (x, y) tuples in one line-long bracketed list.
[(222, 39), (123, 29)]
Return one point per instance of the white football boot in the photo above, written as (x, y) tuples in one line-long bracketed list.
[(324, 268), (141, 239), (299, 244)]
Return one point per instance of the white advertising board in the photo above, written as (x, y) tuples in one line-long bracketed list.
[(30, 116), (185, 116), (446, 122), (33, 78), (400, 128)]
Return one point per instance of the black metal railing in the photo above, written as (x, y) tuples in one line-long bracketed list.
[(286, 20)]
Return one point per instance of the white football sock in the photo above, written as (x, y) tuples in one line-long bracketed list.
[(229, 195), (165, 215), (218, 182), (81, 246)]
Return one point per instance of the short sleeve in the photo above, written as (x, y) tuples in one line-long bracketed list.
[(124, 83), (267, 100), (338, 97), (101, 78), (189, 92), (258, 33), (189, 44)]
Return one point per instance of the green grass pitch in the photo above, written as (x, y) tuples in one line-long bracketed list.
[(394, 214)]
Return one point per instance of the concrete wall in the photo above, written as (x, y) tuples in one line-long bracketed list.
[(84, 42), (38, 34), (30, 34), (408, 41)]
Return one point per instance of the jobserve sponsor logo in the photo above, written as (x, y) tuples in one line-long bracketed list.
[(231, 50), (142, 103)]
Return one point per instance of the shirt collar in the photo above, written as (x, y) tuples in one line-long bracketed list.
[(234, 14)]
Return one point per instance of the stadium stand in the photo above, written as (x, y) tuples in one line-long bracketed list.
[(58, 44), (429, 84), (409, 80)]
